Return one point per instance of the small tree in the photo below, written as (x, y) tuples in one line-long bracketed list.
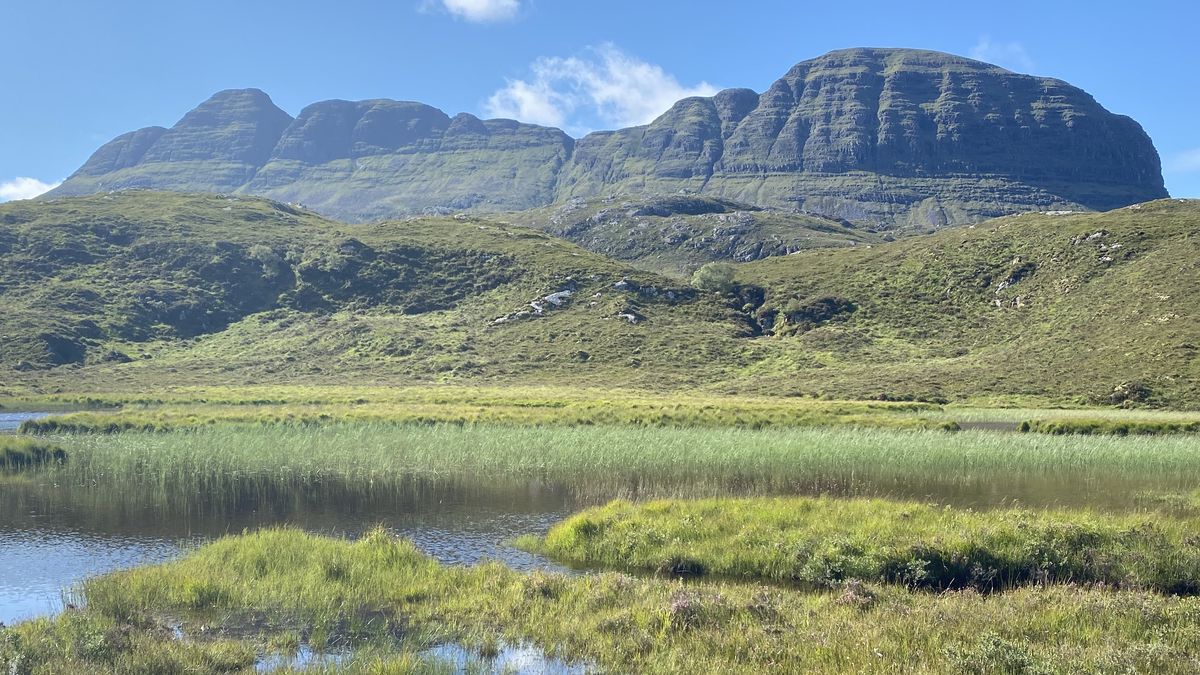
[(715, 277)]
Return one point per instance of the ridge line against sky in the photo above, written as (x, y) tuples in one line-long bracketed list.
[(541, 61)]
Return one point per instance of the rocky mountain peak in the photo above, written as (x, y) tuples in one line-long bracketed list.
[(887, 138)]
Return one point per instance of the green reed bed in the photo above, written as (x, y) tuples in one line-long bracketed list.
[(253, 588), (822, 542), (612, 461)]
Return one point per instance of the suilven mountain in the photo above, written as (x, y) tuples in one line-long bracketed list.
[(886, 138)]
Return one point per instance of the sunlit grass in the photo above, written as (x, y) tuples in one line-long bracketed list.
[(822, 541), (366, 590)]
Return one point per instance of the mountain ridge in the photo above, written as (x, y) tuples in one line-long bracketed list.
[(903, 139)]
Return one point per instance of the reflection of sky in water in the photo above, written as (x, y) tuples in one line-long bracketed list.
[(302, 658), (10, 421), (525, 659), (510, 659), (36, 566)]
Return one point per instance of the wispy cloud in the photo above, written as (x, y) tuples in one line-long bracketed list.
[(23, 188), (1011, 55), (478, 11), (1185, 162), (603, 84)]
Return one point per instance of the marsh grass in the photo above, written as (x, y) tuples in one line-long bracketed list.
[(822, 542), (90, 642), (380, 586), (189, 407), (615, 461), (1090, 426), (518, 409), (1020, 414)]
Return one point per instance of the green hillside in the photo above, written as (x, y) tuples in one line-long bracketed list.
[(138, 290), (675, 234), (144, 286), (1082, 305)]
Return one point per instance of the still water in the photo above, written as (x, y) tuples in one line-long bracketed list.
[(53, 535), (10, 421)]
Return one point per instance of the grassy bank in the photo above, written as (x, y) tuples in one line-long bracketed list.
[(1112, 427), (253, 589), (191, 408), (188, 407), (23, 453), (823, 542), (611, 461)]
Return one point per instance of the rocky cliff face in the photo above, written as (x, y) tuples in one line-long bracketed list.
[(883, 137), (360, 160), (217, 147), (900, 137), (376, 159)]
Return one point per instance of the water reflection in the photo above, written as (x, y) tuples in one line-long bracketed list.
[(53, 535), (11, 421), (54, 532), (507, 659)]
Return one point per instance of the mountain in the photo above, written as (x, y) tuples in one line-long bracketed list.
[(359, 161), (139, 289), (891, 138), (905, 137), (676, 234)]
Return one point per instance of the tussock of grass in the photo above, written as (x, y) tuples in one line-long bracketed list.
[(79, 642), (824, 541), (88, 642), (1109, 427), (22, 453), (378, 585)]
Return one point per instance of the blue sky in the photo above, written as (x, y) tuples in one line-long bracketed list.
[(77, 73)]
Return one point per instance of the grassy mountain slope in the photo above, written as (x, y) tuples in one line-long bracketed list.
[(1039, 304), (141, 290), (145, 286), (675, 234)]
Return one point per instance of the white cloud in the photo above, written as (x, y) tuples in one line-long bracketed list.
[(604, 84), (1186, 161), (24, 188), (1011, 55), (482, 11)]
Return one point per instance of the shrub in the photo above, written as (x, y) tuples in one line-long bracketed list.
[(715, 277)]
